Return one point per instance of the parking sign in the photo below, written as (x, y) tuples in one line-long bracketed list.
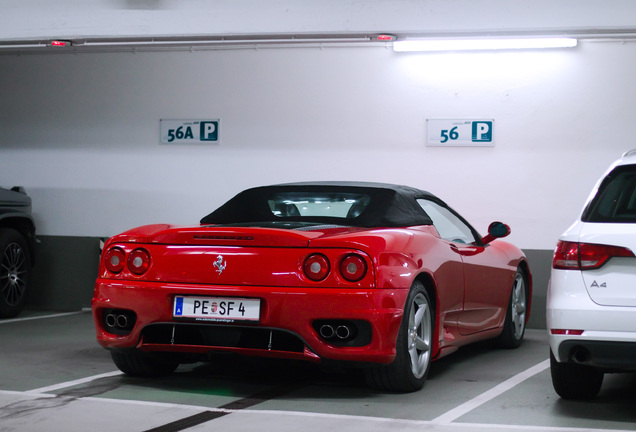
[(189, 131), (460, 132)]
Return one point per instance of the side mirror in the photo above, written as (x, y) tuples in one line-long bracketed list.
[(496, 230)]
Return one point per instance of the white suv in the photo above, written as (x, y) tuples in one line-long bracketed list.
[(591, 305)]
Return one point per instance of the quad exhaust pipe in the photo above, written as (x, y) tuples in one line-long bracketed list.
[(340, 332), (119, 320), (116, 320)]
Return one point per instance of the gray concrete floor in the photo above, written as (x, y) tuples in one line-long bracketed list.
[(54, 376)]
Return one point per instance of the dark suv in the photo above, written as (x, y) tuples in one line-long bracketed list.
[(17, 249)]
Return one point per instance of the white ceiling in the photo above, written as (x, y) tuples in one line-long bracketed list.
[(36, 20)]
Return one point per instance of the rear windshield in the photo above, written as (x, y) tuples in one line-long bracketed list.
[(615, 200), (307, 204), (348, 204)]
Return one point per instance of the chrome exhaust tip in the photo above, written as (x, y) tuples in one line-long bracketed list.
[(327, 331), (343, 332)]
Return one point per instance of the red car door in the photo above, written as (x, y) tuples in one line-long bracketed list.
[(486, 287), (487, 281)]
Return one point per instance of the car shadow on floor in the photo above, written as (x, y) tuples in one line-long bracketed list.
[(615, 402), (244, 376)]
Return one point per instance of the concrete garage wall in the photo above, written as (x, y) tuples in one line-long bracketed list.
[(65, 272), (81, 133)]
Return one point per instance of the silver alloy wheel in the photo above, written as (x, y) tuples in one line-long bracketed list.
[(13, 269), (419, 335), (518, 306)]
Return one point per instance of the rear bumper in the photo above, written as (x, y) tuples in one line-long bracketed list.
[(607, 336), (606, 355), (287, 314)]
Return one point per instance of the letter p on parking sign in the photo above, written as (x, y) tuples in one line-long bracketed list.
[(482, 131), (209, 131)]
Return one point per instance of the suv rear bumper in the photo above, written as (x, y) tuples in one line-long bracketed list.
[(608, 334), (607, 355)]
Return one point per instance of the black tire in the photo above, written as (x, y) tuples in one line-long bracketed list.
[(514, 326), (139, 364), (575, 381), (15, 269), (409, 369)]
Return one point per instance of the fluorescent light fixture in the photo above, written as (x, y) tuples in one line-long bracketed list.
[(219, 42), (481, 44), (22, 46), (211, 42)]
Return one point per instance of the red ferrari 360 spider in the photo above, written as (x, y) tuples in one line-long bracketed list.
[(381, 276)]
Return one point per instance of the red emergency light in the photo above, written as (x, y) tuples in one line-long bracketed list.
[(385, 37), (60, 43)]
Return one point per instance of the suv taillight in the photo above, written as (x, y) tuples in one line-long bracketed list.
[(585, 256)]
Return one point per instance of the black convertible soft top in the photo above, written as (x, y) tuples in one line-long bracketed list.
[(387, 205)]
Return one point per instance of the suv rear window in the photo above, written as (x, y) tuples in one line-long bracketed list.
[(615, 200)]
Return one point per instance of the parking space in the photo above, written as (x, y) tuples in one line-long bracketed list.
[(55, 375)]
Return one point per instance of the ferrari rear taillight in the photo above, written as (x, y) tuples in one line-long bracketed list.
[(316, 267), (115, 260), (139, 261), (585, 256), (353, 268), (350, 267)]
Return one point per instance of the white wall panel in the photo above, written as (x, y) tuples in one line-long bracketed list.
[(81, 131)]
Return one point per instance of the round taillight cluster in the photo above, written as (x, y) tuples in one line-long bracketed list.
[(352, 267), (115, 259), (316, 267), (138, 260)]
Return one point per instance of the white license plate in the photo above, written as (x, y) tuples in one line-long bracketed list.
[(217, 308)]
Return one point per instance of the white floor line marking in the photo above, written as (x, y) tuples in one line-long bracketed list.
[(534, 428), (72, 383), (23, 394), (37, 393), (102, 400), (432, 424), (426, 423), (12, 320), (466, 407)]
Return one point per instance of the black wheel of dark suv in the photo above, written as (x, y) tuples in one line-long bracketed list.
[(15, 267)]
